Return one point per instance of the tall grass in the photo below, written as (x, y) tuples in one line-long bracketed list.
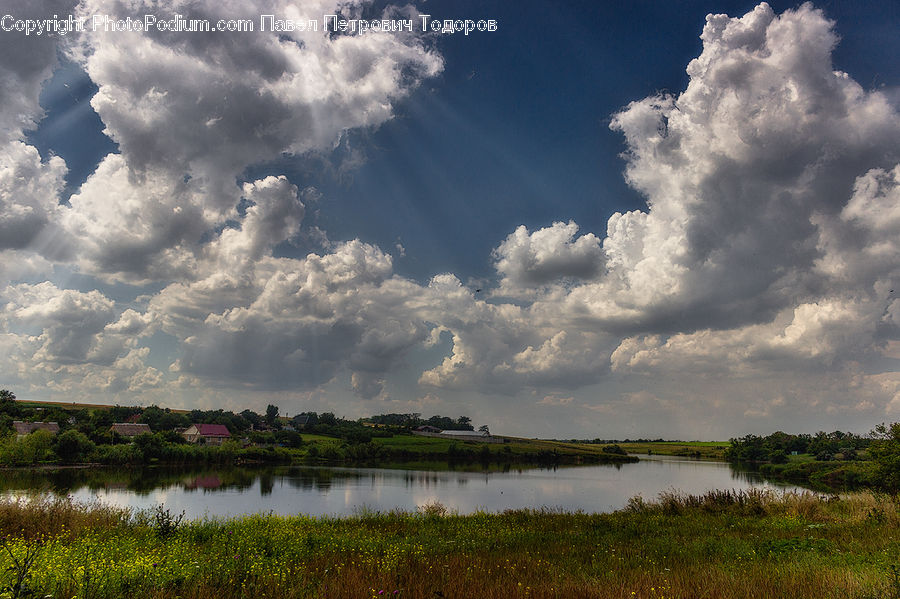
[(722, 544)]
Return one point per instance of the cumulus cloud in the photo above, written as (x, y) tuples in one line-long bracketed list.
[(29, 194), (29, 187), (766, 254), (766, 137), (189, 114), (65, 341), (567, 359), (769, 239), (27, 62), (120, 229), (551, 254), (287, 323), (207, 106)]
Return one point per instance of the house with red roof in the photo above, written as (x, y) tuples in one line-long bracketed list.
[(211, 434)]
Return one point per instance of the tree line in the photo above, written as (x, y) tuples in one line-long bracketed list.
[(872, 460), (776, 448), (85, 433)]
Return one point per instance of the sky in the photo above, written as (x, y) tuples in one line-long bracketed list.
[(665, 219)]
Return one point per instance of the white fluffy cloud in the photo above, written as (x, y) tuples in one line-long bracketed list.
[(548, 255), (27, 63), (75, 327), (765, 260), (285, 323), (769, 242), (766, 138), (29, 194), (66, 340), (29, 188), (190, 112)]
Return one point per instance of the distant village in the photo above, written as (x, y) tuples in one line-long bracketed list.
[(104, 425)]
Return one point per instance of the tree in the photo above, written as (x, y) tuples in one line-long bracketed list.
[(778, 457), (151, 445), (8, 403), (271, 414), (885, 451), (163, 419), (289, 438), (484, 429), (252, 417), (73, 446), (35, 447)]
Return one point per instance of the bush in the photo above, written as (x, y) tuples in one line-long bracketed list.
[(885, 451), (289, 438), (33, 449), (778, 457), (118, 454), (73, 446), (150, 445), (615, 449)]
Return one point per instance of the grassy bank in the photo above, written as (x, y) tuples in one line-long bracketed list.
[(719, 545), (823, 475), (42, 449), (707, 450), (512, 450)]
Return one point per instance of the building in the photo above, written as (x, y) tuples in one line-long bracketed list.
[(130, 430), (26, 428), (428, 429), (212, 434), (479, 436)]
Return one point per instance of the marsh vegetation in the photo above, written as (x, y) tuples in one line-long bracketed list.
[(717, 545)]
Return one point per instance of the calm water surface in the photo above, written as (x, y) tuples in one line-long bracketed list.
[(342, 491)]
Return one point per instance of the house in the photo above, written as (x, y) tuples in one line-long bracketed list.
[(428, 429), (479, 436), (26, 428), (212, 434), (130, 430)]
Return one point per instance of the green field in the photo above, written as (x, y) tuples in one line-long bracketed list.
[(75, 406), (720, 545), (309, 438), (708, 450), (511, 445)]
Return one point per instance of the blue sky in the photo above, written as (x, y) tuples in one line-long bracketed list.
[(444, 224)]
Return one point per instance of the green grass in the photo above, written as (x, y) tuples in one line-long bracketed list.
[(710, 450), (407, 447), (720, 545), (417, 443), (514, 444), (311, 438), (824, 475)]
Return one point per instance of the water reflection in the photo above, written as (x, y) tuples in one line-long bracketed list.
[(233, 491)]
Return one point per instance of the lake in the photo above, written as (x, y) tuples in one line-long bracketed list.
[(224, 492)]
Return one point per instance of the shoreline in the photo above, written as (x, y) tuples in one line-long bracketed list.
[(719, 544)]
